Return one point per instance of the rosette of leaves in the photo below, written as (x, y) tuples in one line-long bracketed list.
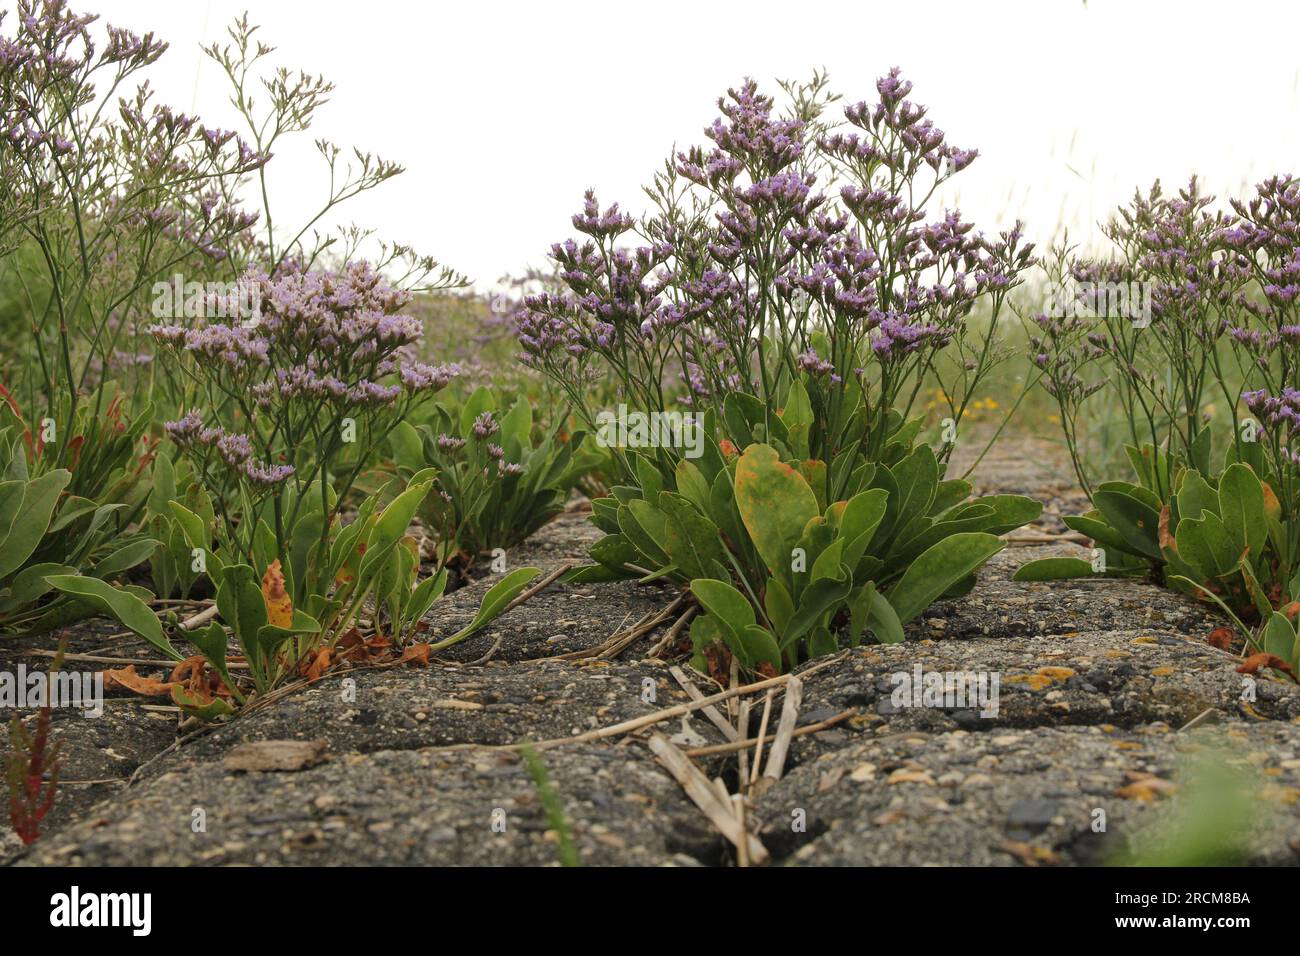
[(783, 572), (1223, 537), (68, 506), (281, 610), (491, 485)]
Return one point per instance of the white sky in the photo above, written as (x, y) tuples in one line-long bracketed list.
[(504, 112)]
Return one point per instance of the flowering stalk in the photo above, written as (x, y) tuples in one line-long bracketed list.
[(118, 189), (301, 396), (751, 276)]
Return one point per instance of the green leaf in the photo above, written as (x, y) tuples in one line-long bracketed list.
[(1012, 511), (125, 607), (475, 405), (1196, 496), (882, 619), (759, 647), (797, 416), (494, 602), (422, 598), (778, 604), (1241, 505), (408, 449), (29, 585), (1054, 569), (705, 633), (1279, 638), (948, 494), (1206, 545), (648, 477), (211, 642), (939, 568), (30, 523), (821, 642), (164, 484), (646, 527), (1136, 521), (242, 607), (725, 603), (692, 485), (191, 525), (124, 558), (818, 598), (691, 539), (775, 504), (11, 502), (917, 477), (517, 427), (389, 528), (859, 522)]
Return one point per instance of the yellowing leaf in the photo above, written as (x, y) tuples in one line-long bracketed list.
[(279, 606), (348, 573)]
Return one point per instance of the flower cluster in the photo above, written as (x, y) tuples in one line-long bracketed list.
[(753, 263), (207, 445), (323, 350)]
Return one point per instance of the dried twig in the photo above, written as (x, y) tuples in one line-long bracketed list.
[(196, 621), (496, 646), (704, 796), (545, 582), (636, 633), (742, 728), (784, 730), (710, 712), (742, 745), (674, 632), (762, 735), (622, 638), (738, 810)]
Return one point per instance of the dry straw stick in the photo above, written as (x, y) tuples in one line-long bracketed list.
[(762, 734), (738, 806), (743, 745), (742, 728), (710, 712), (674, 632), (784, 730), (543, 583), (703, 795), (632, 635), (646, 720)]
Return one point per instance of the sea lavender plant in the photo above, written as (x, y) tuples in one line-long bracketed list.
[(298, 398), (792, 281), (494, 483), (116, 187), (1210, 350), (752, 278)]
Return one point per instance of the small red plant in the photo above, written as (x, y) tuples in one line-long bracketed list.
[(32, 756)]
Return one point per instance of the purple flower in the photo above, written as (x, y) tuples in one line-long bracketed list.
[(264, 476)]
